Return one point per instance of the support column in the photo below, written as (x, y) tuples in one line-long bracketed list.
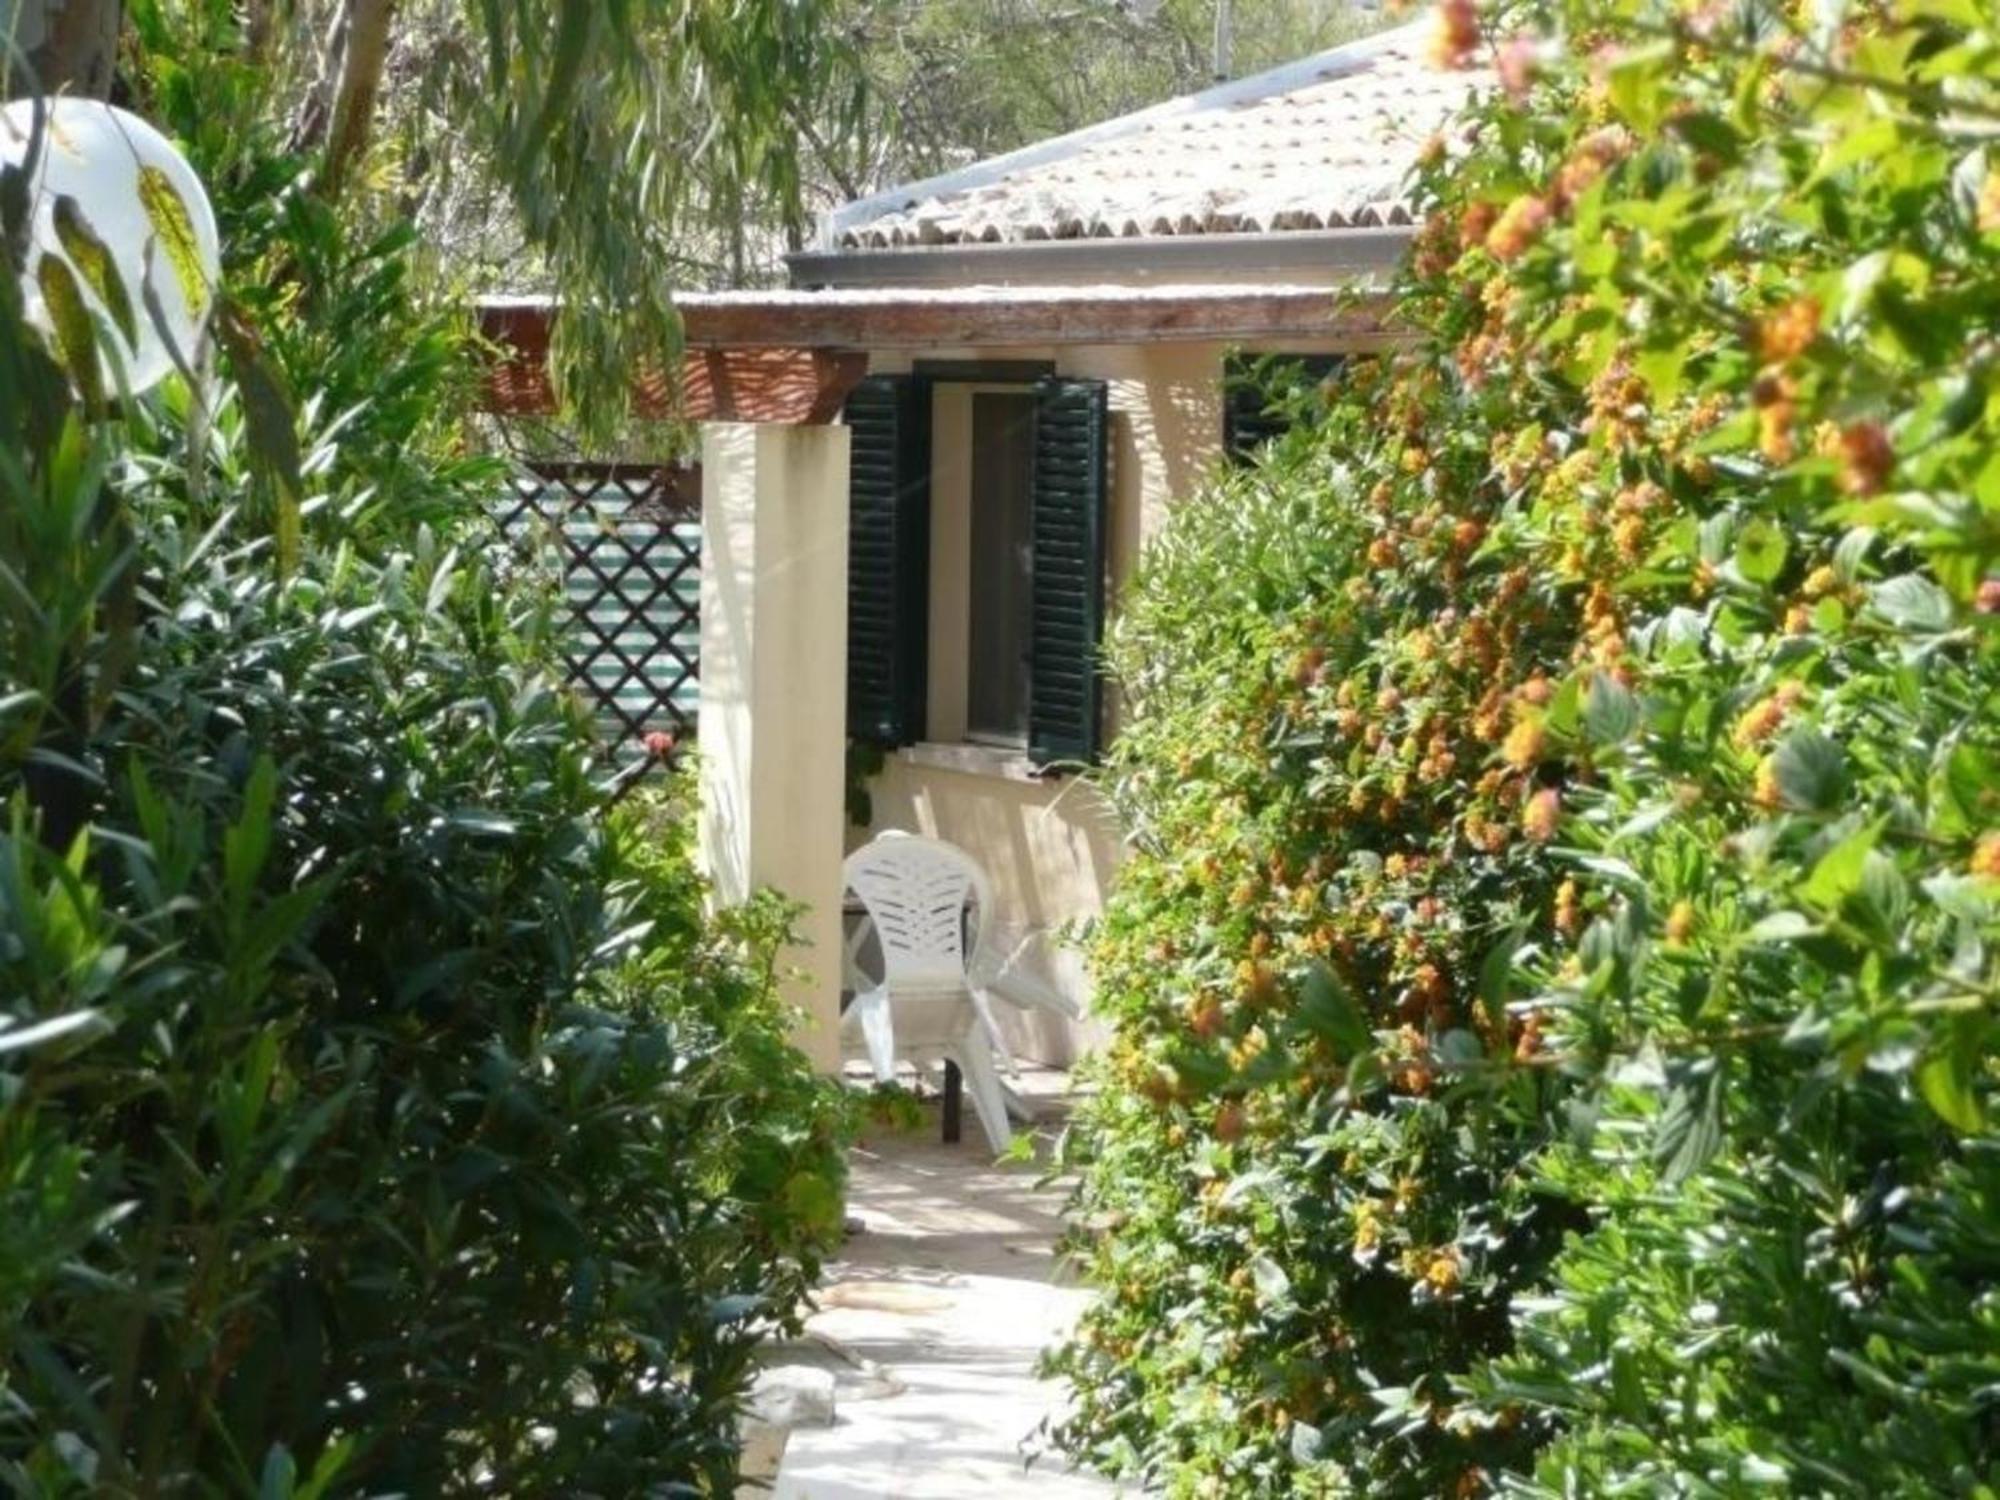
[(773, 726)]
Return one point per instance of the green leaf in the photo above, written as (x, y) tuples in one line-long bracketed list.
[(1662, 370), (1690, 1129), (174, 229), (1458, 1048), (1495, 970), (1851, 552), (1780, 927), (1610, 710), (1307, 1443), (1637, 85), (1882, 895), (1866, 141), (87, 253), (1710, 132), (1965, 791), (813, 1198), (1811, 771), (271, 423), (1837, 874), (247, 843), (1565, 708), (69, 314), (280, 1475), (1947, 1076), (737, 1307), (483, 822), (573, 35), (1913, 602), (72, 1028), (1327, 1007), (332, 1460), (1760, 550), (1272, 1284)]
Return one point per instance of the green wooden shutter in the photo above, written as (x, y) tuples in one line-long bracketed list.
[(888, 559), (1068, 570)]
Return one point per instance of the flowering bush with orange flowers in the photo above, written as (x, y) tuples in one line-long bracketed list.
[(1554, 984)]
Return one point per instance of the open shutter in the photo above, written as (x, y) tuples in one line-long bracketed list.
[(888, 559), (1068, 562)]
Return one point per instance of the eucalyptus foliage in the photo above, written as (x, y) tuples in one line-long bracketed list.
[(605, 153), (1555, 986)]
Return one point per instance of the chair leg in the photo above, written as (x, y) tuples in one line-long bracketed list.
[(954, 1091), (870, 1017), (983, 1083)]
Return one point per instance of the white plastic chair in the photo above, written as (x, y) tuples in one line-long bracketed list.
[(927, 1008)]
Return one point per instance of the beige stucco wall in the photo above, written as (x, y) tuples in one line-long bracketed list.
[(1051, 846), (773, 724)]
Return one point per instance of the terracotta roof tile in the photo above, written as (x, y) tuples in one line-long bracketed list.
[(1331, 149)]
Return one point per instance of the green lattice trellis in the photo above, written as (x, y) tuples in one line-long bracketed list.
[(630, 537)]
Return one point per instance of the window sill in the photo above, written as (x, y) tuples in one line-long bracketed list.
[(969, 759)]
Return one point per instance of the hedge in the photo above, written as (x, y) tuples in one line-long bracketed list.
[(1553, 983)]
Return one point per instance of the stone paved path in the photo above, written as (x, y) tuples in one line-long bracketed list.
[(931, 1323)]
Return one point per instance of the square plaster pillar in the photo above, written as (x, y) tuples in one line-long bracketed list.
[(773, 725)]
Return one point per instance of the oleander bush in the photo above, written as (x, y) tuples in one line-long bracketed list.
[(379, 1113), (1554, 980)]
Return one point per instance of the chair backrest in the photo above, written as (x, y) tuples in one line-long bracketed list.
[(916, 891)]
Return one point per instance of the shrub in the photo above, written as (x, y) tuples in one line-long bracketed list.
[(1564, 790), (360, 1069), (1308, 1203)]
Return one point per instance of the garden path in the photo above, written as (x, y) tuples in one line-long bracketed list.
[(931, 1323)]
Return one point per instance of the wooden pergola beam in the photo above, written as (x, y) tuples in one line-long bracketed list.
[(762, 384)]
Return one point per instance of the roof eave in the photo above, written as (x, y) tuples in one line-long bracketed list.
[(1331, 257)]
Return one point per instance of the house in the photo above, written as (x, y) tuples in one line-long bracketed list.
[(931, 462)]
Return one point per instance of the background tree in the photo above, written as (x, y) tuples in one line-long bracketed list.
[(919, 86), (956, 80), (71, 43)]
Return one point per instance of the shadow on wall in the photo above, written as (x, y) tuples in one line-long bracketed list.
[(1167, 435)]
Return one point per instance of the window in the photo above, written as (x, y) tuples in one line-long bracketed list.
[(1266, 395), (991, 634), (1001, 586)]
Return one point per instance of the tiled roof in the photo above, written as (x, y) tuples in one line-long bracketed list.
[(1327, 143)]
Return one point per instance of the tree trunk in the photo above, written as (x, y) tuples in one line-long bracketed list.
[(71, 46), (345, 113)]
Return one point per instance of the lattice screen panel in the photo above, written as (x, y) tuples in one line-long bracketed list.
[(630, 538)]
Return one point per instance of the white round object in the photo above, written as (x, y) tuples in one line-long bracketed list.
[(138, 196)]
